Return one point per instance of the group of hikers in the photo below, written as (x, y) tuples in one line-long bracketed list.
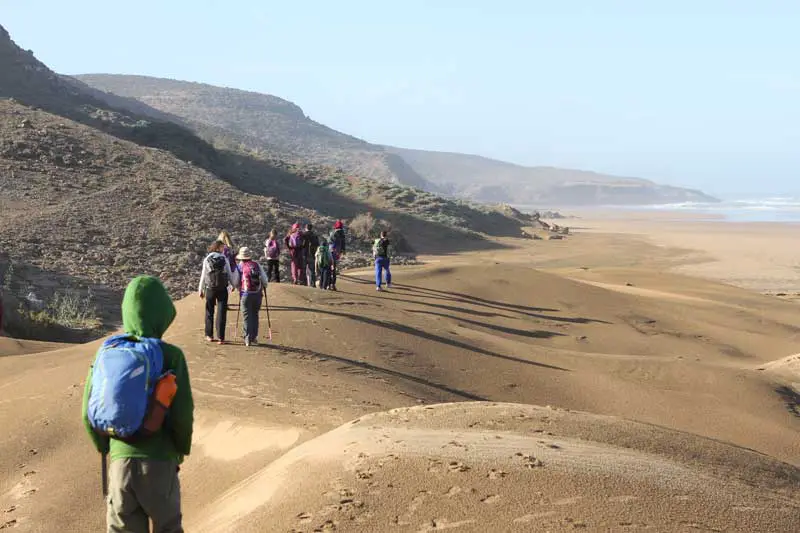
[(137, 402)]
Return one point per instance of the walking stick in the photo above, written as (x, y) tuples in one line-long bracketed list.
[(269, 322), (104, 473), (238, 312)]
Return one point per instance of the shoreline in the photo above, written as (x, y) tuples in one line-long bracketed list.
[(759, 256)]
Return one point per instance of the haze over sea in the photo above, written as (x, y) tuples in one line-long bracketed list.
[(771, 209), (781, 209)]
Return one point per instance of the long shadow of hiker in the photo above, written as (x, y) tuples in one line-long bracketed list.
[(532, 312), (391, 296), (423, 334), (535, 334), (373, 368)]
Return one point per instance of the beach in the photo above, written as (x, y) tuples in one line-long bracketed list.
[(632, 375)]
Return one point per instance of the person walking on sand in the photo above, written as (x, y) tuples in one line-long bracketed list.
[(382, 254), (143, 419), (294, 243), (323, 262), (311, 244), (338, 242), (229, 250), (253, 280), (215, 278), (272, 251)]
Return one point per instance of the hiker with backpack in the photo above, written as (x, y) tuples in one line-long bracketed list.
[(294, 243), (323, 261), (382, 255), (311, 243), (272, 251), (338, 243), (138, 406), (253, 284), (215, 278), (229, 251)]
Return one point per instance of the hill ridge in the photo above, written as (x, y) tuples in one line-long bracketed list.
[(266, 128)]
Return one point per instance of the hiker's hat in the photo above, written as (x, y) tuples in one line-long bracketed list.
[(338, 225), (295, 226), (244, 254)]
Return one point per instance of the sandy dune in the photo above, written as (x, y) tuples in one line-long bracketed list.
[(508, 467), (705, 370)]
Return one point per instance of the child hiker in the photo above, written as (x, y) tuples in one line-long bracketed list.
[(215, 278), (253, 282), (272, 251), (143, 418), (323, 261), (380, 251)]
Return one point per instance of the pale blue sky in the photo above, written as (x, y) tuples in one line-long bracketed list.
[(703, 93)]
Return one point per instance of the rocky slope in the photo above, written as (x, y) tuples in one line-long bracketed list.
[(262, 123), (270, 125), (96, 188)]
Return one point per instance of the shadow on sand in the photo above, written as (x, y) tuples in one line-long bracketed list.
[(408, 330), (373, 368)]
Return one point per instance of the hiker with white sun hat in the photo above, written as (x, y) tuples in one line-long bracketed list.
[(252, 286)]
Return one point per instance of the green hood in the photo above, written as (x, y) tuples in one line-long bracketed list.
[(147, 309)]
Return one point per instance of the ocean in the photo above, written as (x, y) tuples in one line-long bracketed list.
[(774, 209)]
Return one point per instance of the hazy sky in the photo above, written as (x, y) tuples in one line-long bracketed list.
[(703, 93)]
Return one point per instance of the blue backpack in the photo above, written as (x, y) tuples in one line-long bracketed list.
[(124, 375)]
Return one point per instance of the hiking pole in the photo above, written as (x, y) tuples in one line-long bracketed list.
[(104, 473), (269, 321), (238, 312)]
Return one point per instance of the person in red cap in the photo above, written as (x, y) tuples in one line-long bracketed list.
[(338, 247), (296, 246)]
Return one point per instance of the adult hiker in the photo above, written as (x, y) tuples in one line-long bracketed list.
[(323, 261), (294, 243), (338, 244), (253, 281), (215, 278), (229, 251), (272, 251), (311, 244), (381, 253), (142, 412)]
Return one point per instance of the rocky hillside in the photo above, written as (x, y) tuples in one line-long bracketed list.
[(84, 209), (97, 188), (261, 123), (271, 126)]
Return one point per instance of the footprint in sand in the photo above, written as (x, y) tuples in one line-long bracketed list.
[(363, 475), (457, 466), (496, 474), (9, 524), (490, 499), (529, 461), (329, 525), (304, 517)]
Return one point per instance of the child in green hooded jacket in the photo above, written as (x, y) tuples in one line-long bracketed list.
[(143, 474)]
